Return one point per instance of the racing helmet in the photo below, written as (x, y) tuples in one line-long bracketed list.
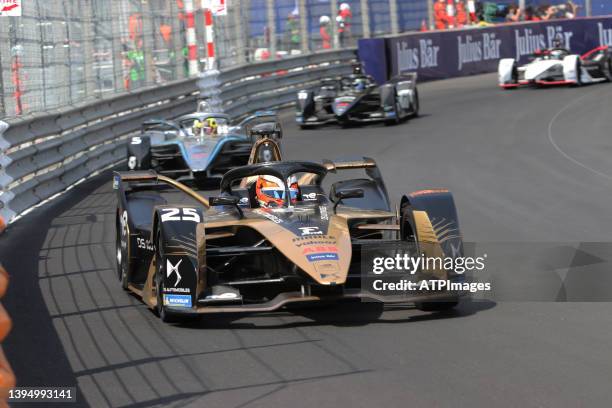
[(324, 20), (345, 6), (359, 84), (270, 191), (197, 128), (211, 126)]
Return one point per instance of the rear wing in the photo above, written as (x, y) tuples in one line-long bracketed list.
[(270, 118), (151, 179), (366, 163), (259, 117), (360, 163)]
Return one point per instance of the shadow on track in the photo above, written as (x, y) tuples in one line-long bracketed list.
[(339, 315)]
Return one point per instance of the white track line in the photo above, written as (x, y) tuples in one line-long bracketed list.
[(563, 153)]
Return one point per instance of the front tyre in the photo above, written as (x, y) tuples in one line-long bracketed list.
[(416, 104), (608, 70), (578, 72)]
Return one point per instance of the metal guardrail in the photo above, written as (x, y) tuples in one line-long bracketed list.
[(43, 155)]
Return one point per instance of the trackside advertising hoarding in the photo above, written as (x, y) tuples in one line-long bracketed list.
[(446, 54)]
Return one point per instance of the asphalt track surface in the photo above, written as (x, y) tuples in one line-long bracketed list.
[(525, 166)]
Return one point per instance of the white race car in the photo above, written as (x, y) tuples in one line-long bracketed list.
[(557, 66)]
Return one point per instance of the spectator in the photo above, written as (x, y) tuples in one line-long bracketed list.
[(460, 13), (343, 21), (546, 12), (440, 15), (530, 14), (293, 29), (324, 31), (514, 14)]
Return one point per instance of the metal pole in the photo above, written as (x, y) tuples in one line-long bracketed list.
[(394, 16), (2, 94), (271, 28), (88, 39), (42, 59), (191, 38), (588, 8), (238, 32), (303, 26), (365, 18), (116, 45), (148, 42), (4, 33), (210, 38), (430, 16), (179, 59), (68, 50), (334, 24)]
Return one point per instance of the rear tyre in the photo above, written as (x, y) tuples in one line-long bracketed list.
[(122, 255)]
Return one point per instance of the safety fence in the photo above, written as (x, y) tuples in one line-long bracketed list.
[(66, 52), (45, 154)]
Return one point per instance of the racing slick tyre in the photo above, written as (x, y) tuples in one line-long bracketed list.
[(608, 70), (578, 72), (416, 104), (122, 252), (396, 119), (160, 262)]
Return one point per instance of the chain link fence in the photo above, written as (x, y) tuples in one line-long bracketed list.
[(66, 52)]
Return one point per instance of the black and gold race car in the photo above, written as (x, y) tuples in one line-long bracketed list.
[(229, 254)]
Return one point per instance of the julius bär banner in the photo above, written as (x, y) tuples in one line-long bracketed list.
[(447, 54)]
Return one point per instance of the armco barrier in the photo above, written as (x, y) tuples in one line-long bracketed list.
[(453, 53), (44, 154)]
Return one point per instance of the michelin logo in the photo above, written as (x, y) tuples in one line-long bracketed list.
[(177, 300)]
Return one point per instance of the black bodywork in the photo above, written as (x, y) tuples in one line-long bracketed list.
[(358, 99), (235, 256)]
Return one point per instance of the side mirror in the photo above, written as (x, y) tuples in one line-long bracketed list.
[(342, 194), (229, 200)]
